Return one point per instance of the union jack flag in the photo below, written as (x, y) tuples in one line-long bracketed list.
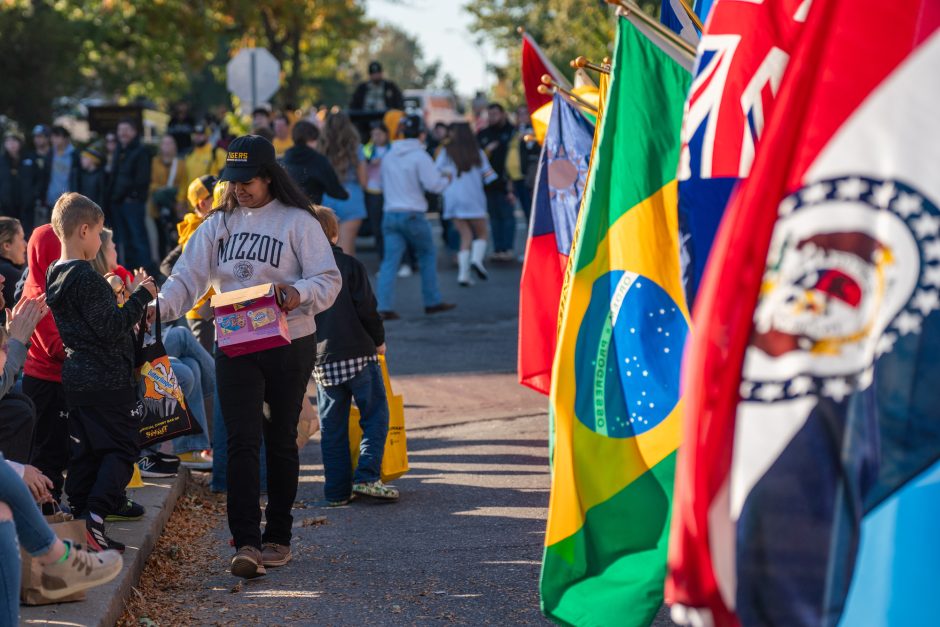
[(742, 56)]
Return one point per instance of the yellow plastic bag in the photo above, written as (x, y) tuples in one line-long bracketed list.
[(395, 458)]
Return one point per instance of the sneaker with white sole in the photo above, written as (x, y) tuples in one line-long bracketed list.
[(196, 460), (376, 490), (248, 563), (80, 570), (154, 465)]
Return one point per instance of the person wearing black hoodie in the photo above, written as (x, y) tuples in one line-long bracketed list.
[(98, 373), (350, 337), (12, 256), (309, 168), (129, 189)]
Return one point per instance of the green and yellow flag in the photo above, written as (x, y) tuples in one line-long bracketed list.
[(615, 383)]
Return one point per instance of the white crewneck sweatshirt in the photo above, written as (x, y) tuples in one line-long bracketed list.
[(247, 247)]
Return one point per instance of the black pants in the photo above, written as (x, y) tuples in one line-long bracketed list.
[(51, 438), (104, 446), (279, 377), (17, 419)]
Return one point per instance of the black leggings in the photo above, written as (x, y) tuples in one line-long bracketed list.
[(279, 377)]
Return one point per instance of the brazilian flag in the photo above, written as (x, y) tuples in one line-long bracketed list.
[(615, 385)]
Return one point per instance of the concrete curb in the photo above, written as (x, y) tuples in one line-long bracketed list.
[(105, 605)]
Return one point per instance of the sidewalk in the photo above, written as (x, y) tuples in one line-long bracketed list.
[(103, 606)]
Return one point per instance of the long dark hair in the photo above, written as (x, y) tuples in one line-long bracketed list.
[(463, 148), (282, 188)]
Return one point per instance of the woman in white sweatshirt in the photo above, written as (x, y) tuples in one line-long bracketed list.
[(263, 231), (465, 198)]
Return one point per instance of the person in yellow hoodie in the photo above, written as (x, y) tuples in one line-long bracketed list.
[(201, 198), (204, 158)]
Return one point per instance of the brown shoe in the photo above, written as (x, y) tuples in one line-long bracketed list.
[(273, 554), (433, 309), (248, 563), (389, 315)]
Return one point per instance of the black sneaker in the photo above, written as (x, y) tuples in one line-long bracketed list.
[(439, 308), (129, 510), (96, 538), (157, 465)]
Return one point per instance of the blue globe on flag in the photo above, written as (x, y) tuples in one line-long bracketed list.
[(628, 356)]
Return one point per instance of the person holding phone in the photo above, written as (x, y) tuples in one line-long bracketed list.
[(263, 231)]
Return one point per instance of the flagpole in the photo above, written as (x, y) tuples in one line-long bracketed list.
[(553, 87), (582, 62), (692, 15), (632, 9)]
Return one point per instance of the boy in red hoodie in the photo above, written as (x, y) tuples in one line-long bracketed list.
[(42, 380)]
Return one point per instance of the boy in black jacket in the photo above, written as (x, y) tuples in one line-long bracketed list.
[(350, 336), (98, 374)]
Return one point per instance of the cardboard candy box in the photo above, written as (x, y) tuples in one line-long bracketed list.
[(249, 320)]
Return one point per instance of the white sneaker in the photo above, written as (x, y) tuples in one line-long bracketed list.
[(405, 271)]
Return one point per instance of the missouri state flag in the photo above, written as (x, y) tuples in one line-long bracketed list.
[(811, 382), (559, 186), (741, 58), (615, 382)]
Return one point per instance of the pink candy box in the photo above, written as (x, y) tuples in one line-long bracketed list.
[(249, 320)]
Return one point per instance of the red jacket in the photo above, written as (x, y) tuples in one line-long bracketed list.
[(46, 352)]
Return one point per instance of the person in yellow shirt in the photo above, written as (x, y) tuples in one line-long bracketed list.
[(168, 179), (282, 135), (204, 158)]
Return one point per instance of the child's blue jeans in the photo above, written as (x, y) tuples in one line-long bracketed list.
[(368, 390), (34, 535)]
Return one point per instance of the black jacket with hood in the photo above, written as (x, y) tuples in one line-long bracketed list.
[(313, 172), (352, 327), (97, 334), (131, 173)]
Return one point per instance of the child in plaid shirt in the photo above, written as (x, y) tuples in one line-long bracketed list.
[(350, 336)]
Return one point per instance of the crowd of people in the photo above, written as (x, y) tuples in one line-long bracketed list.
[(75, 218)]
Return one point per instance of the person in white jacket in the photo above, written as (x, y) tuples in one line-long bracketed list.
[(263, 231), (407, 173), (465, 198)]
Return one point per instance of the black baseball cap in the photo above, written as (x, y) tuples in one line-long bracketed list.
[(199, 128), (246, 156), (375, 67), (412, 126)]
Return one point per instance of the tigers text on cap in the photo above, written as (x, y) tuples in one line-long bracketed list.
[(246, 155), (375, 67)]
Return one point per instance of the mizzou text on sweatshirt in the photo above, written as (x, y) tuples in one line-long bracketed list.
[(247, 247)]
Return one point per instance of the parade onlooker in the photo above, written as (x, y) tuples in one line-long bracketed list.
[(500, 200), (309, 168), (17, 412), (19, 180), (282, 136), (42, 372), (41, 157), (465, 198), (12, 256), (340, 145), (131, 182), (261, 119), (372, 154), (350, 337), (98, 373), (407, 173), (168, 181), (88, 179), (62, 160), (204, 157), (181, 127), (262, 203), (376, 94), (67, 568), (528, 152)]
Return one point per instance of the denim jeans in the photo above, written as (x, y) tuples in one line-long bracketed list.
[(502, 221), (34, 535), (399, 230), (368, 390), (195, 370), (130, 232)]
